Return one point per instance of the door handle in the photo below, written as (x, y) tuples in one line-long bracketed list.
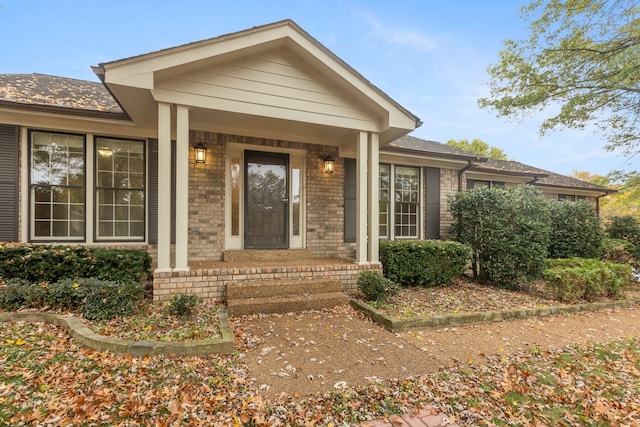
[(285, 200)]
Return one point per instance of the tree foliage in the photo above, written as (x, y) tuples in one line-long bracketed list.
[(507, 230), (581, 55), (479, 147), (625, 201)]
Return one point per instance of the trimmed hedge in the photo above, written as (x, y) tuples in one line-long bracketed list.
[(423, 263), (574, 279), (376, 287), (42, 263), (95, 299)]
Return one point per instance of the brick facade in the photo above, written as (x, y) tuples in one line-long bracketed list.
[(448, 186), (212, 283), (324, 197)]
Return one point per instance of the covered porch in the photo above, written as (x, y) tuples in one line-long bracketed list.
[(269, 105)]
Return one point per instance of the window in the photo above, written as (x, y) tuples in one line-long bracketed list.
[(407, 201), (570, 197), (399, 215), (57, 186), (476, 183), (120, 189)]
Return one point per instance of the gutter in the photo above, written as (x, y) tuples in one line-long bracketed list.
[(470, 164)]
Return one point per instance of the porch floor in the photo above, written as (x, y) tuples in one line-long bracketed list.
[(206, 265)]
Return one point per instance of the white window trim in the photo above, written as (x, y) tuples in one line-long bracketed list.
[(236, 150), (391, 224), (26, 223)]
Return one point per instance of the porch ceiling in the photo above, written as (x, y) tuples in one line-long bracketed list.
[(273, 81)]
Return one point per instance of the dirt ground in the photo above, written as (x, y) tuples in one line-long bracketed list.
[(309, 352)]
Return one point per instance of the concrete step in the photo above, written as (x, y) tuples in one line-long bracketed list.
[(277, 287), (285, 304)]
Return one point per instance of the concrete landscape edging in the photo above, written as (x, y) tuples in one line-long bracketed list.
[(396, 324), (88, 338)]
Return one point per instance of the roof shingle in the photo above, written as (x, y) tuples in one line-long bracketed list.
[(52, 91)]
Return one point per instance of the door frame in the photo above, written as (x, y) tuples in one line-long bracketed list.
[(286, 200), (235, 153)]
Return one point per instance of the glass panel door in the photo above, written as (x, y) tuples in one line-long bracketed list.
[(266, 200)]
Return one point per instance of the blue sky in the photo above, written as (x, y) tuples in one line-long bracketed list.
[(430, 56)]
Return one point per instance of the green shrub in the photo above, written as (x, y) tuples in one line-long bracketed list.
[(376, 287), (18, 293), (507, 230), (574, 279), (104, 299), (41, 263), (423, 263), (183, 305), (575, 230), (66, 294)]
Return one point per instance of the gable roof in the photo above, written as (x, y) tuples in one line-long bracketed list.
[(51, 93), (279, 73)]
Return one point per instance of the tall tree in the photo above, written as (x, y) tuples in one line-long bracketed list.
[(582, 56), (479, 147)]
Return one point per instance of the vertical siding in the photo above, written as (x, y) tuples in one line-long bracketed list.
[(9, 159)]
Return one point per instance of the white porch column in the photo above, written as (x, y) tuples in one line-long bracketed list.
[(164, 187), (182, 189), (374, 207), (361, 198)]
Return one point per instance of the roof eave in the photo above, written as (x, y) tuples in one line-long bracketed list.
[(51, 109)]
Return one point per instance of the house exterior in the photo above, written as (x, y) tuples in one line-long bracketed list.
[(260, 145)]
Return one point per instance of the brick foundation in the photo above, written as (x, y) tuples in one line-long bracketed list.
[(211, 283)]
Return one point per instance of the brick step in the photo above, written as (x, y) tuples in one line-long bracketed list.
[(285, 304), (248, 255), (281, 287)]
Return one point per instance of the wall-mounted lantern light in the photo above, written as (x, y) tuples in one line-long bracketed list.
[(201, 153), (329, 165)]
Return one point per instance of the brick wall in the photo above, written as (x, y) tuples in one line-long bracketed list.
[(324, 193), (211, 283)]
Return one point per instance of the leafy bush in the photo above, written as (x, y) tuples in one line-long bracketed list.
[(94, 298), (624, 228), (106, 299), (575, 230), (183, 305), (40, 263), (376, 287), (18, 293), (507, 230), (574, 279), (423, 263), (67, 294)]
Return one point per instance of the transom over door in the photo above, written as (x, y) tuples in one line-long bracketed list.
[(266, 224)]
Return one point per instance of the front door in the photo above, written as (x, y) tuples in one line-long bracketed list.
[(266, 219)]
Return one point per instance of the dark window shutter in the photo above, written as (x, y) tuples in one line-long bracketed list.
[(432, 203), (350, 200), (9, 159), (153, 190)]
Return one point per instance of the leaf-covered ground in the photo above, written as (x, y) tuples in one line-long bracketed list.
[(464, 296), (152, 322), (48, 379)]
